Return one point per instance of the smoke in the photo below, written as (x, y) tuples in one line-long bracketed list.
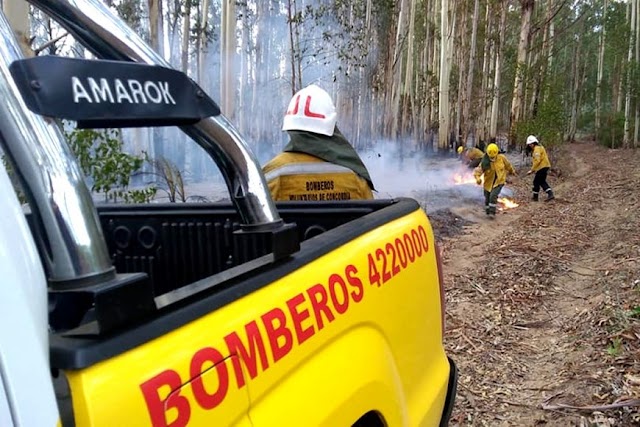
[(428, 179), (432, 181)]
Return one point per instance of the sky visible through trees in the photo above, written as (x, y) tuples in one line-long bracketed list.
[(414, 75)]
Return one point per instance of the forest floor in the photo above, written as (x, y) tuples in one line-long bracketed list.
[(543, 302)]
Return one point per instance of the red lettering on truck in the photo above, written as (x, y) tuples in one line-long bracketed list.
[(351, 271), (306, 314), (391, 259), (158, 406), (280, 337), (299, 316), (338, 292), (320, 305), (206, 399), (255, 344)]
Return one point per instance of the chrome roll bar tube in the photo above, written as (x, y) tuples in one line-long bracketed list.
[(70, 239), (95, 26)]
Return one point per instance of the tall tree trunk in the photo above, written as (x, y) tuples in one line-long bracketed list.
[(541, 62), (627, 103), (426, 67), (204, 43), (472, 62), (157, 148), (156, 32), (446, 41), (575, 98), (17, 13), (186, 32), (550, 53), (293, 43), (428, 72), (485, 84), (460, 60), (408, 95), (518, 85), (620, 84), (616, 84), (262, 90), (488, 83), (364, 94), (398, 67), (600, 68), (227, 57), (245, 121), (637, 76), (435, 67), (495, 93)]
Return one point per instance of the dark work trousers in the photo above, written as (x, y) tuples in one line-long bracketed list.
[(540, 180), (491, 199)]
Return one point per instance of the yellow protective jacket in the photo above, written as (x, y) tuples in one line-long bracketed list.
[(294, 176), (540, 159), (473, 154), (496, 173)]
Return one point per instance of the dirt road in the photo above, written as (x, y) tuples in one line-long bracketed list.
[(544, 301)]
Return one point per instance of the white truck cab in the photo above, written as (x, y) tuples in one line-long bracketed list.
[(25, 399)]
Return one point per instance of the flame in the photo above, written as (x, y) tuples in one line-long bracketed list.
[(467, 178), (506, 203)]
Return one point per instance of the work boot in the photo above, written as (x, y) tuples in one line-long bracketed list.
[(550, 195), (492, 210), (535, 196)]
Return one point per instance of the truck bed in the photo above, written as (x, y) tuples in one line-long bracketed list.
[(194, 259), (178, 244), (344, 287)]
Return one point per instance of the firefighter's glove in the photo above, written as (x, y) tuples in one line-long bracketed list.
[(478, 181)]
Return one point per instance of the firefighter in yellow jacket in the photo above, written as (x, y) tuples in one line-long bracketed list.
[(494, 167), (470, 156), (318, 163), (540, 165)]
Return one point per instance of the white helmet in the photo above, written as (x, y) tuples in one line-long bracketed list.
[(311, 109), (531, 140)]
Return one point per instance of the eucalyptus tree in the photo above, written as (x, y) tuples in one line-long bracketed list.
[(635, 86), (517, 100), (228, 41), (446, 57), (466, 100), (602, 28), (495, 92), (486, 90), (17, 13), (636, 79), (632, 62), (156, 25)]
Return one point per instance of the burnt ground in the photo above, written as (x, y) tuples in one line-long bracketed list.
[(543, 303), (447, 224)]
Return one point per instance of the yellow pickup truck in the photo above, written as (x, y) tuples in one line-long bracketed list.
[(246, 313), (348, 328)]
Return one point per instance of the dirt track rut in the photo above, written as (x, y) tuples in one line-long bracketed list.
[(541, 300)]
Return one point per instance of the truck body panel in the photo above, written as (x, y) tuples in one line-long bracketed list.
[(356, 310), (24, 350)]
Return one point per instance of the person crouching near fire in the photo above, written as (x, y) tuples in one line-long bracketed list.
[(318, 163), (540, 164), (470, 156), (494, 167)]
